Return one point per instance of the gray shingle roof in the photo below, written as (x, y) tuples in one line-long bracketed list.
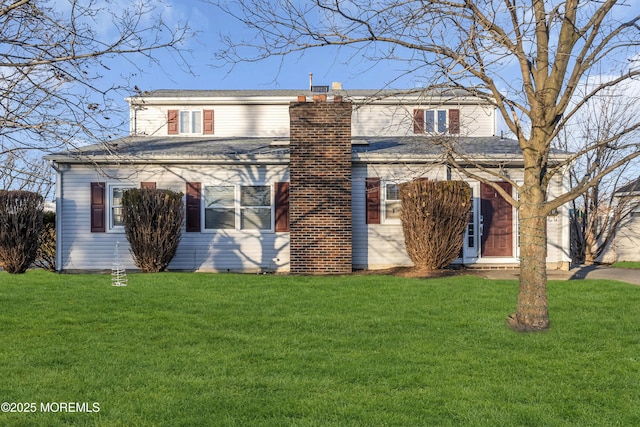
[(413, 148), (632, 187), (243, 93)]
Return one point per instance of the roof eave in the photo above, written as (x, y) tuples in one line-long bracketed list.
[(169, 160)]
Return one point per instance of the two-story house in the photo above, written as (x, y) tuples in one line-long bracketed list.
[(292, 180)]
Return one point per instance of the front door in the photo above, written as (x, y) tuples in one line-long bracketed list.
[(497, 222)]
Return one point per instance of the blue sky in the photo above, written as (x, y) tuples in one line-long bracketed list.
[(326, 64), (292, 72)]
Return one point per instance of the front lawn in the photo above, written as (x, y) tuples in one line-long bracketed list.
[(177, 349), (626, 264)]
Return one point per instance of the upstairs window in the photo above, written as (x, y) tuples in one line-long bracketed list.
[(436, 121), (200, 122), (190, 122)]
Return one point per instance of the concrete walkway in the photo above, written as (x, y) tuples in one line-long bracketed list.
[(627, 275)]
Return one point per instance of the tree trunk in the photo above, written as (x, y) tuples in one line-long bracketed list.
[(532, 313), (590, 240), (591, 225)]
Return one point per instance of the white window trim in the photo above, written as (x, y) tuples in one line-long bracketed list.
[(204, 207), (383, 203), (434, 130), (110, 187), (471, 253), (191, 112), (238, 208), (271, 207)]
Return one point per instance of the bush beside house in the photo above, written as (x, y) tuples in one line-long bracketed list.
[(434, 217), (46, 256), (21, 221), (153, 226)]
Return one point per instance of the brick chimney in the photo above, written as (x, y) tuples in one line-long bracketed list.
[(320, 186)]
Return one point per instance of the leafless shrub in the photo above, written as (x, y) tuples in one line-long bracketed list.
[(46, 256), (434, 217), (153, 226), (20, 226)]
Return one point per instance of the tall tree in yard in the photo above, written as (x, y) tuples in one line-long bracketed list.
[(534, 60), (60, 62)]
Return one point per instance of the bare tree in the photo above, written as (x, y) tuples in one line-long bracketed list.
[(529, 58), (598, 212), (22, 170), (59, 77)]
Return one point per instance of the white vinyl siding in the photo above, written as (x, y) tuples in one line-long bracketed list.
[(258, 120), (230, 120), (377, 246), (223, 250), (397, 120), (374, 246)]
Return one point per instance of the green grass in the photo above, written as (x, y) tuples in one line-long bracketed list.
[(247, 350), (626, 264)]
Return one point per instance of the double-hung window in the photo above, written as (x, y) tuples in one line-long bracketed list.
[(255, 207), (219, 207), (247, 207), (190, 122), (392, 204), (115, 206)]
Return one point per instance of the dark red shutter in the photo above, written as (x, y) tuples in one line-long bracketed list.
[(98, 207), (418, 121), (172, 122), (454, 121), (192, 211), (151, 185), (373, 200), (207, 122), (282, 206)]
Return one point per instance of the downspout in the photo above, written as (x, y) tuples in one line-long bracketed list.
[(59, 199)]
